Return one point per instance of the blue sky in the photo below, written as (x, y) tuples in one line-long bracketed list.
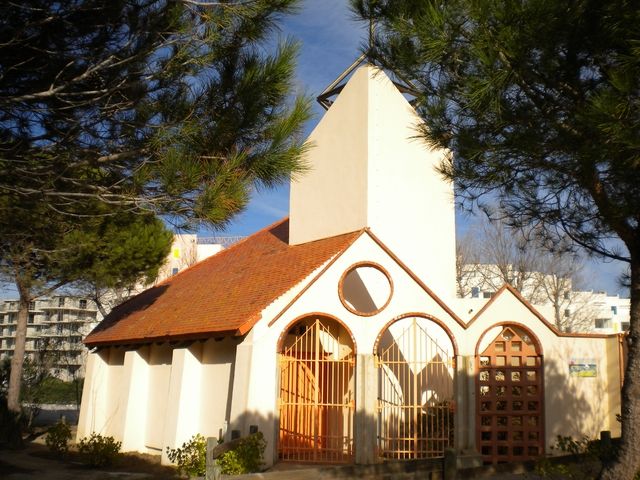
[(330, 41)]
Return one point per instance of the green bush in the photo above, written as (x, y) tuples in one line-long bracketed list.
[(58, 437), (191, 457), (592, 453), (247, 457), (100, 451)]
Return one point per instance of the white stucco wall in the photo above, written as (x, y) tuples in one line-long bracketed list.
[(196, 385), (369, 169), (159, 380), (574, 406), (331, 197)]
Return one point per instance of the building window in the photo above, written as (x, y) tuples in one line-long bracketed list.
[(32, 305), (83, 304), (32, 318), (475, 292), (614, 309), (487, 294), (59, 329), (603, 323), (567, 313), (60, 316), (61, 302), (625, 326), (174, 270), (1, 318), (567, 295)]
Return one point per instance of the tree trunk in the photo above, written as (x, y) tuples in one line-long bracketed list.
[(17, 360), (627, 461)]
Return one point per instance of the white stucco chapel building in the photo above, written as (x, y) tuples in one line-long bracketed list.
[(337, 332)]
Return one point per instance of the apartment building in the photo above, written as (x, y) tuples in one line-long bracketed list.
[(55, 330), (57, 326)]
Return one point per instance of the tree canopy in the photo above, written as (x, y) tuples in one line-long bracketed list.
[(114, 111), (539, 103), (168, 106)]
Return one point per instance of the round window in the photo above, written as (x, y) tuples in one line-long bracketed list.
[(365, 289)]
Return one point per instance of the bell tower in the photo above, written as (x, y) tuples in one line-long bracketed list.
[(369, 167)]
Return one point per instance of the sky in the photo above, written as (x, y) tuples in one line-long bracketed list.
[(331, 39)]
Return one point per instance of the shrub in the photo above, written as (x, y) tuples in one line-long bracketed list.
[(58, 437), (99, 450), (191, 457), (591, 454), (247, 457)]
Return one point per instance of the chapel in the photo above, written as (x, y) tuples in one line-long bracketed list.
[(337, 333)]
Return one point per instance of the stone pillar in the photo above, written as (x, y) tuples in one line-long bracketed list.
[(184, 402), (240, 395), (135, 382), (94, 394), (469, 376), (366, 414), (464, 424)]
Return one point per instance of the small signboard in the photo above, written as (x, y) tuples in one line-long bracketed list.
[(583, 367)]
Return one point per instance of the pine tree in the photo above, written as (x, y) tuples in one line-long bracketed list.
[(41, 251), (169, 106), (113, 107), (539, 103)]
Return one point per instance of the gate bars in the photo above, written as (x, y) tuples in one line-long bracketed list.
[(316, 397), (415, 394)]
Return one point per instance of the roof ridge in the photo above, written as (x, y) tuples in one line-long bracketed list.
[(200, 263), (226, 293)]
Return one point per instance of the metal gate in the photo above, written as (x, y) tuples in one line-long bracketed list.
[(415, 394), (510, 398), (317, 394)]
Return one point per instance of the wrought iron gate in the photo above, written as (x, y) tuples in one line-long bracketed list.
[(510, 398), (415, 394), (317, 396)]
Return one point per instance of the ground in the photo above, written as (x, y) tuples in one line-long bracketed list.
[(35, 461)]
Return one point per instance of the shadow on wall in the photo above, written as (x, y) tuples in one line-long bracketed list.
[(575, 406)]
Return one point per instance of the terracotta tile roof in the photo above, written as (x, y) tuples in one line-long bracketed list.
[(224, 294)]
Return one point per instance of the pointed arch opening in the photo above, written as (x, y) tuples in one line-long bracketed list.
[(416, 366), (317, 392), (509, 395)]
